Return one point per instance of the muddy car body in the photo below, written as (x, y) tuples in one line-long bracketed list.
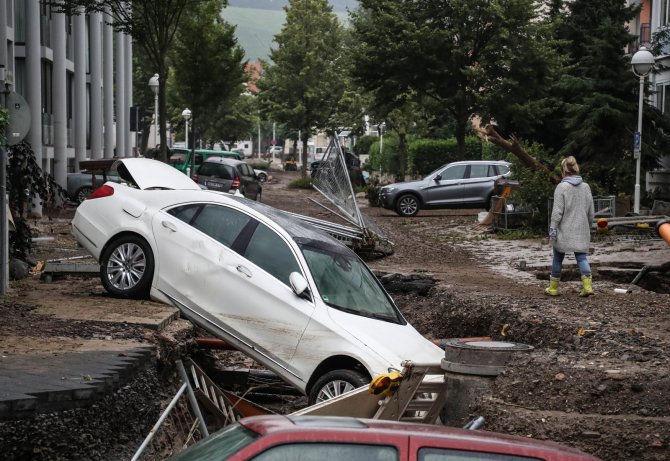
[(288, 295)]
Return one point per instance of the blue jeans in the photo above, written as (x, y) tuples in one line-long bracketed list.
[(557, 264)]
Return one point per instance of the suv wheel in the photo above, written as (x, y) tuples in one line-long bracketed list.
[(407, 205), (335, 383)]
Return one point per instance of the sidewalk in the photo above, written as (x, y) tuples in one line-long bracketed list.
[(67, 344)]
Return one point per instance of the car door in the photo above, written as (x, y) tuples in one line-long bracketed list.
[(221, 264), (248, 178), (447, 188), (479, 185)]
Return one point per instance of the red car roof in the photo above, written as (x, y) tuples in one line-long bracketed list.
[(461, 438)]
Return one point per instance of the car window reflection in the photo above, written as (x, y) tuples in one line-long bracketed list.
[(268, 251), (345, 283)]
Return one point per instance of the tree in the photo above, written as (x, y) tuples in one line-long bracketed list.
[(600, 94), (467, 55), (152, 24), (303, 84), (208, 67)]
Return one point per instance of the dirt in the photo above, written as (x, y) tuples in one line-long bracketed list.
[(597, 379)]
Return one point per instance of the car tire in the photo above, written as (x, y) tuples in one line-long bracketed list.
[(127, 267), (335, 383), (257, 198), (407, 205), (262, 177), (82, 193)]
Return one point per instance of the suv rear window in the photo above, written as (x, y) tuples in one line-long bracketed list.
[(217, 170)]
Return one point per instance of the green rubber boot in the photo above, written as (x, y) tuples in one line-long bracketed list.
[(552, 290), (587, 287)]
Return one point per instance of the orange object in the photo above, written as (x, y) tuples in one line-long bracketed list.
[(663, 229)]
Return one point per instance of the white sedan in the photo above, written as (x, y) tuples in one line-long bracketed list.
[(288, 295)]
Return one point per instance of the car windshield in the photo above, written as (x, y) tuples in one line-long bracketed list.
[(219, 445), (345, 283)]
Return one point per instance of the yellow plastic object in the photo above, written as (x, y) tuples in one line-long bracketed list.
[(602, 225), (642, 225), (385, 384)]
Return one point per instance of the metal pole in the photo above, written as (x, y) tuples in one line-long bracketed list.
[(162, 418), (636, 203), (259, 134), (191, 397), (156, 120), (4, 244), (192, 122)]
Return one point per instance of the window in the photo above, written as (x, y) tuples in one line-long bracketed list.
[(454, 172), (482, 171), (216, 169), (220, 445), (441, 454), (219, 222), (268, 251), (346, 284), (348, 451)]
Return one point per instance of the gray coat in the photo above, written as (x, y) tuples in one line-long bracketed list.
[(572, 215)]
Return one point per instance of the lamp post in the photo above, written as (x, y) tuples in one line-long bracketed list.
[(642, 64), (186, 113), (381, 129), (153, 84)]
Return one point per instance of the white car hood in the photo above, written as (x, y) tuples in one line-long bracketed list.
[(395, 343), (152, 174)]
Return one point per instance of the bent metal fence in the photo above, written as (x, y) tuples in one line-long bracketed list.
[(178, 426), (333, 181)]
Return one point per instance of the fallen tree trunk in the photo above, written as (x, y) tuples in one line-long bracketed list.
[(514, 146)]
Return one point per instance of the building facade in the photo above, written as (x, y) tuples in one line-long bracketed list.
[(655, 17), (75, 73)]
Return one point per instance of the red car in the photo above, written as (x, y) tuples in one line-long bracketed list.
[(264, 438)]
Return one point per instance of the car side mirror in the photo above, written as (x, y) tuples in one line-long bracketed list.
[(299, 285), (437, 177)]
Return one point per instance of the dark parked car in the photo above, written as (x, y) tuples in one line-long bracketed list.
[(265, 438), (227, 175), (466, 184), (80, 185)]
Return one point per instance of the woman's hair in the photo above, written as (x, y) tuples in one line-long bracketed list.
[(569, 166)]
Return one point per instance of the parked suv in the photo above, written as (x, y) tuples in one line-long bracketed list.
[(466, 184), (227, 175)]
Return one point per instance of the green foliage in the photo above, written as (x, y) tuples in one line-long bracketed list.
[(363, 144), (467, 55), (304, 82), (372, 188), (386, 161), (210, 80), (426, 155), (536, 187), (300, 183), (27, 182)]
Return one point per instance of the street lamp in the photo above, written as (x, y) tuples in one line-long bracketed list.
[(153, 84), (186, 113), (642, 64), (381, 129)]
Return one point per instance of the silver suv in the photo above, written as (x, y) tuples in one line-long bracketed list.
[(466, 184)]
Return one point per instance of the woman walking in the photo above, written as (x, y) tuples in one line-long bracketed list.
[(570, 228)]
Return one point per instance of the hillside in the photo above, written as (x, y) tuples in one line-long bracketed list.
[(256, 27)]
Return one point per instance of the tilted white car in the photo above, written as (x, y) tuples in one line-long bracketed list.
[(288, 295)]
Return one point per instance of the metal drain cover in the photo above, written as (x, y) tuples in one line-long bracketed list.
[(478, 356)]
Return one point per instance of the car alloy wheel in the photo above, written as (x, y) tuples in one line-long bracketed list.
[(336, 383), (83, 193), (407, 205), (127, 267)]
